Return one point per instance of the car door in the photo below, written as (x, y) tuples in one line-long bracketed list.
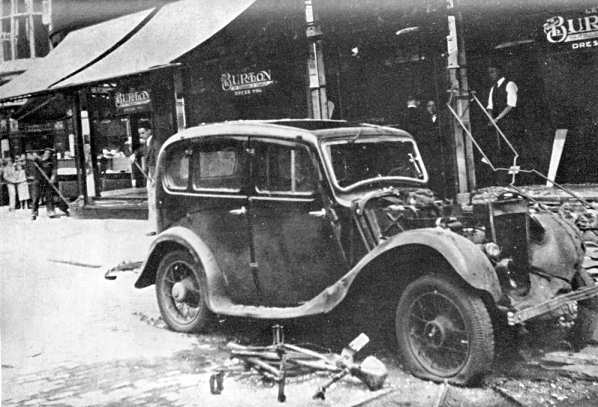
[(219, 174), (296, 253)]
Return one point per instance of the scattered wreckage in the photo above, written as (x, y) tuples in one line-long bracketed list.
[(290, 218), (277, 362)]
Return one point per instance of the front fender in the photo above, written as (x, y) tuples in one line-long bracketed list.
[(465, 258), (178, 237)]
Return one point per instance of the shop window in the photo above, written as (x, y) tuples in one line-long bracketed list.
[(218, 165), (177, 169), (284, 169)]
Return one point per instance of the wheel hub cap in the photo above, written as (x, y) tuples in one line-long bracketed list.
[(179, 292), (434, 333), (185, 291)]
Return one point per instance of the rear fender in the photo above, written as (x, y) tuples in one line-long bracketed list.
[(179, 237)]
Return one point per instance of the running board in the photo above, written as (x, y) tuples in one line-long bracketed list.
[(553, 304)]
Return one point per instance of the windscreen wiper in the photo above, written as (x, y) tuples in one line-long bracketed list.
[(413, 161)]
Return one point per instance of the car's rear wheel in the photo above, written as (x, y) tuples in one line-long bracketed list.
[(443, 330), (180, 293)]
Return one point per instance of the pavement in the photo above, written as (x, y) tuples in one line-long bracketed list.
[(69, 337)]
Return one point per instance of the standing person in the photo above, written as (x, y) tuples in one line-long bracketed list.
[(502, 107), (146, 155), (431, 114), (412, 117), (44, 170), (150, 169), (22, 185), (10, 177)]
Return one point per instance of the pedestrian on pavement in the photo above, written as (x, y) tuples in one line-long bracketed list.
[(150, 170), (11, 183), (146, 154), (22, 185), (44, 178)]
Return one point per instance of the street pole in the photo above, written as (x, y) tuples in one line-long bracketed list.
[(79, 150), (317, 100), (457, 68)]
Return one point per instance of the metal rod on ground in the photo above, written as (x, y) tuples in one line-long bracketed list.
[(51, 184)]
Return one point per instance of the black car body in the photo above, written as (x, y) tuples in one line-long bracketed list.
[(284, 219)]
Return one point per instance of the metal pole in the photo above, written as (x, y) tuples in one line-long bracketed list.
[(79, 150), (31, 32), (318, 100), (13, 33), (458, 80)]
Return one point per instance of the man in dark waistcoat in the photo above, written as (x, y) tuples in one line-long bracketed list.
[(502, 106), (40, 185)]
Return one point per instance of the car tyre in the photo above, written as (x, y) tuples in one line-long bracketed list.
[(180, 293), (443, 330)]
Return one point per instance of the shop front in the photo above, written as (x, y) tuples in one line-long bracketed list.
[(254, 68), (377, 54), (40, 127), (116, 112), (551, 54)]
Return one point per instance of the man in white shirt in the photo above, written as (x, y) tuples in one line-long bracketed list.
[(502, 106), (502, 99)]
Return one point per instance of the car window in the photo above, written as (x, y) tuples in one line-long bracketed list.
[(177, 168), (284, 168), (218, 164)]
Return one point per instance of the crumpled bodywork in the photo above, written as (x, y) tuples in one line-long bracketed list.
[(461, 254), (557, 249)]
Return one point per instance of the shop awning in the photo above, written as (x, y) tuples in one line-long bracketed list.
[(79, 50), (174, 30)]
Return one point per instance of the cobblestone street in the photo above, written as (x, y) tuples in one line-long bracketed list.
[(72, 338)]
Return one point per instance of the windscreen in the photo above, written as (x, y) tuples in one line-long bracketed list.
[(373, 158)]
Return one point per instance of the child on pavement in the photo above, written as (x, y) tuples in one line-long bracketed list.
[(22, 185)]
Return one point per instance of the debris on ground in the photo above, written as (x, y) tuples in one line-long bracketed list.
[(277, 362), (156, 322), (125, 265), (75, 263), (590, 261)]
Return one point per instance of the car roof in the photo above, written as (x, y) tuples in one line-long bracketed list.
[(309, 130)]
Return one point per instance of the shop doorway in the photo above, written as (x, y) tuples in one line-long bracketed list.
[(115, 140)]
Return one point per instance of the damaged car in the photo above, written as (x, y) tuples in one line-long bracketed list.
[(291, 218)]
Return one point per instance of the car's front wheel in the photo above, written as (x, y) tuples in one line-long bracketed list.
[(180, 294), (443, 330)]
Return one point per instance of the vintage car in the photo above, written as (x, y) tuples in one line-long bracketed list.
[(290, 218)]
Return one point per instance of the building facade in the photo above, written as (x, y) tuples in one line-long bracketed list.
[(359, 61)]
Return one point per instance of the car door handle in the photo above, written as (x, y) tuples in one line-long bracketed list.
[(318, 214), (241, 211)]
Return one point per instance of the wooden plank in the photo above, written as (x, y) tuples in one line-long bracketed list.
[(558, 146), (570, 358)]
